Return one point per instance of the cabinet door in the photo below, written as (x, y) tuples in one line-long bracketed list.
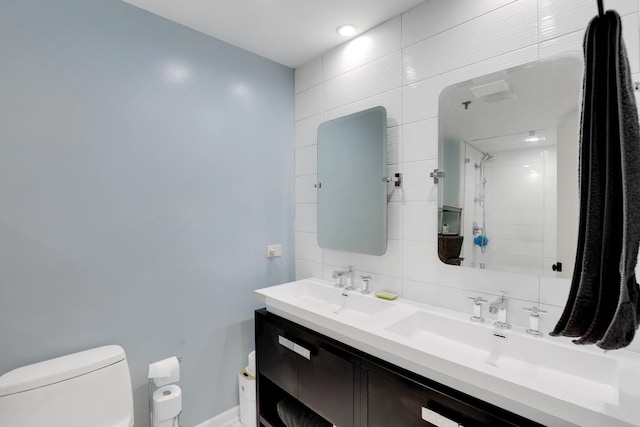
[(399, 402), (326, 385), (275, 360), (391, 404)]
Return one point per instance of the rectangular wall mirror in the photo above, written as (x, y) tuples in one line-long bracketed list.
[(352, 187), (509, 152)]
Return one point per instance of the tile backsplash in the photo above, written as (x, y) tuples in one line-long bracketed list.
[(403, 65)]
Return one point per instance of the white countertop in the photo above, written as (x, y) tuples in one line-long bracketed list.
[(549, 380)]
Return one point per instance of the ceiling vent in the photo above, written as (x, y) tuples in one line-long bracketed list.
[(490, 88), (494, 91)]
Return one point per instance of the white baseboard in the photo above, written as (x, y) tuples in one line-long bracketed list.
[(224, 419)]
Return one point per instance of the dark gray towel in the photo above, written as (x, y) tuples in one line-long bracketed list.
[(295, 414), (603, 302)]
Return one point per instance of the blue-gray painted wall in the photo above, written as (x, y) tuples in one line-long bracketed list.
[(144, 167)]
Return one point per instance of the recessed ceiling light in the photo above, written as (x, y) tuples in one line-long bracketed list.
[(533, 137), (346, 30)]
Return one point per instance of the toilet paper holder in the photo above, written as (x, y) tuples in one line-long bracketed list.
[(152, 388)]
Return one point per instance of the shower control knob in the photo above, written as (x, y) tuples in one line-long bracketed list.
[(437, 174), (557, 267)]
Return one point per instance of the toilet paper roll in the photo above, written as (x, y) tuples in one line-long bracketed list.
[(165, 371), (167, 402), (251, 367)]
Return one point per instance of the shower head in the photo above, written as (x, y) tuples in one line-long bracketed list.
[(487, 157)]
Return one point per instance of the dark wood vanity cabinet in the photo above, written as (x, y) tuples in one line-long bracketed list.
[(305, 366), (350, 388)]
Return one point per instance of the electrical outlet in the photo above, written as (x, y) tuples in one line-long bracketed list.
[(274, 251)]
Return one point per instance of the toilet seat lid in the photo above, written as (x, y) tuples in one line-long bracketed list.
[(59, 369)]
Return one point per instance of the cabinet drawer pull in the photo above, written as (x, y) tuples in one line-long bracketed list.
[(306, 353), (437, 419), (285, 342), (302, 351)]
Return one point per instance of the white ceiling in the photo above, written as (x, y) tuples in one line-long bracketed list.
[(289, 32), (544, 94)]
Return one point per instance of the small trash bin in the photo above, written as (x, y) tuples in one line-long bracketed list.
[(247, 392)]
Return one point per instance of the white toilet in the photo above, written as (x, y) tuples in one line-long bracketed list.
[(90, 388)]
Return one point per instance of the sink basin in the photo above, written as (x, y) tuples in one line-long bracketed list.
[(340, 302), (329, 300), (531, 360)]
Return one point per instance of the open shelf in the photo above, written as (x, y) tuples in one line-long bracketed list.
[(270, 395)]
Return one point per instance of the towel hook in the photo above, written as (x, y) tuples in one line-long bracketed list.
[(600, 8)]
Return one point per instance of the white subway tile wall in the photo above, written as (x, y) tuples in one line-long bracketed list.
[(306, 160), (308, 103), (306, 217), (504, 30), (427, 20), (403, 65), (561, 17), (363, 82), (308, 75), (306, 131)]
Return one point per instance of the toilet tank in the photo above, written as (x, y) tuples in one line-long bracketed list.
[(89, 388)]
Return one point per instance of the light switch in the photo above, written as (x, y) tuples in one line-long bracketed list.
[(274, 251)]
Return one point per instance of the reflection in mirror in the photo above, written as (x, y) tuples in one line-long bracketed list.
[(352, 187), (509, 152)]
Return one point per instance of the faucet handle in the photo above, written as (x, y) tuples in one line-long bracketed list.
[(477, 309), (534, 320), (502, 294), (365, 281), (337, 274), (535, 311)]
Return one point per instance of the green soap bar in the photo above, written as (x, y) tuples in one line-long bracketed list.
[(386, 295)]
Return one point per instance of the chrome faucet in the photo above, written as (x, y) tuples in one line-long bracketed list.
[(341, 275), (499, 307)]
